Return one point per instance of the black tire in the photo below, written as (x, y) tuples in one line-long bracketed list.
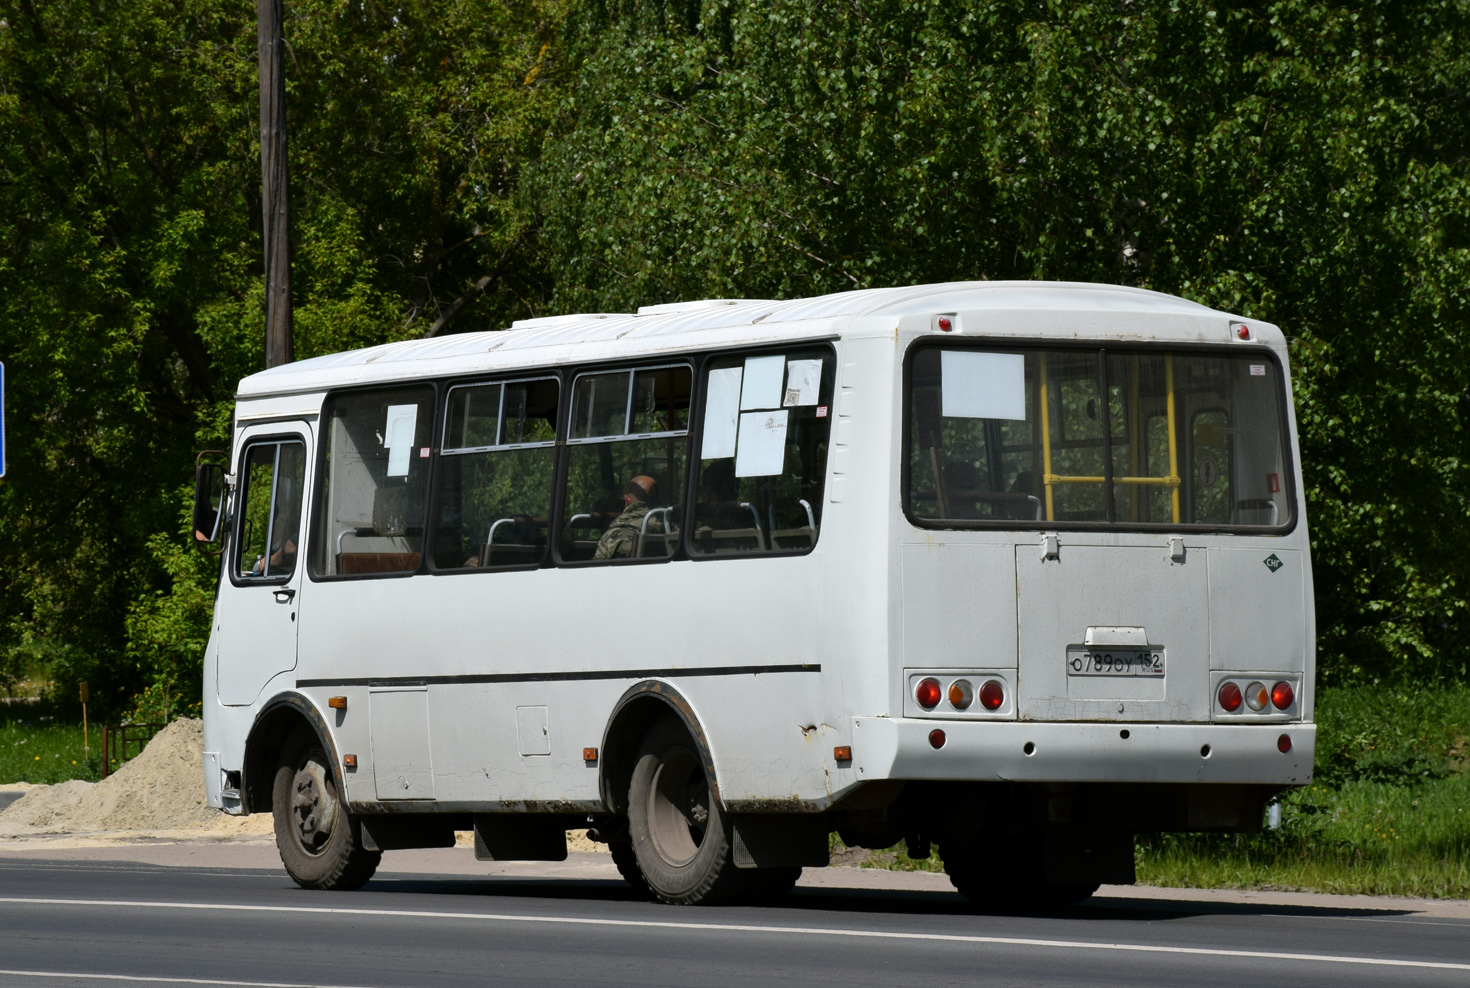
[(766, 886), (681, 836), (320, 843), (1009, 885), (627, 862)]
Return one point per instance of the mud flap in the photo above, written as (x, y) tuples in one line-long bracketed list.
[(408, 830), (779, 841)]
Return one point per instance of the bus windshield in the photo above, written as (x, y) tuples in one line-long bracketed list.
[(1083, 437)]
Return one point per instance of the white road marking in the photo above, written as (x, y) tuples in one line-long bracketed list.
[(77, 975), (1141, 948)]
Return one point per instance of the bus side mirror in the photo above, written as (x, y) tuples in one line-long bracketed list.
[(209, 502)]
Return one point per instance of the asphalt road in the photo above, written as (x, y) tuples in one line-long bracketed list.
[(91, 922)]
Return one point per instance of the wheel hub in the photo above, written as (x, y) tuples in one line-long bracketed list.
[(313, 805), (678, 810)]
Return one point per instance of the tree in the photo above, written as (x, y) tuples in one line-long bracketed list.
[(1299, 161), (130, 265)]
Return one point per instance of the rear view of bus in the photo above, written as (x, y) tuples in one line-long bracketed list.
[(1105, 591)]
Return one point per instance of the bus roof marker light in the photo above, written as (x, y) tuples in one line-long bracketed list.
[(1282, 695), (928, 693), (1229, 697), (1242, 331), (992, 695), (936, 739), (945, 324)]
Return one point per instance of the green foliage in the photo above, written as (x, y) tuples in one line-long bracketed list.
[(158, 704), (45, 754), (130, 253), (463, 162), (167, 631), (1299, 161)]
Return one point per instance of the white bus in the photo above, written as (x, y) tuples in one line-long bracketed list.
[(1019, 570)]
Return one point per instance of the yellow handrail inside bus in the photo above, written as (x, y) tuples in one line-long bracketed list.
[(1173, 444), (1050, 480), (1046, 474)]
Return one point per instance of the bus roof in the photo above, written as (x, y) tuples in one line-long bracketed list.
[(702, 324)]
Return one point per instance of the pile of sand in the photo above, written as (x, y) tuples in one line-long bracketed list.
[(158, 794), (160, 790)]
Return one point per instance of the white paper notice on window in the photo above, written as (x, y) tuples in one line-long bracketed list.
[(398, 437), (762, 387), (979, 385), (803, 381), (721, 414), (762, 449)]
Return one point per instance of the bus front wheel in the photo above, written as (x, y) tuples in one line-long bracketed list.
[(681, 834), (320, 843)]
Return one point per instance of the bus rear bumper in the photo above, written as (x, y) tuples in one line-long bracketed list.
[(1025, 751)]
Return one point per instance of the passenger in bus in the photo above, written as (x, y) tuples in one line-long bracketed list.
[(620, 540), (282, 560)]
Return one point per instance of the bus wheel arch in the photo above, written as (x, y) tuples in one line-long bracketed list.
[(634, 715), (278, 721)]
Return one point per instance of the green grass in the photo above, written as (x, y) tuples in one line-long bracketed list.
[(1388, 812), (47, 753)]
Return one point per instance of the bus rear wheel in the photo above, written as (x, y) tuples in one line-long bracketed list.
[(1015, 883), (320, 843), (627, 863), (681, 834)]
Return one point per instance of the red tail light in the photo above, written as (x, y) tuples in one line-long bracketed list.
[(928, 693), (1230, 697), (992, 695), (1283, 695)]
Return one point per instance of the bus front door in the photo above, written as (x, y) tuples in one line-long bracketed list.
[(255, 617)]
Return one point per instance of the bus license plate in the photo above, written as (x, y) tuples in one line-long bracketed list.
[(1084, 661)]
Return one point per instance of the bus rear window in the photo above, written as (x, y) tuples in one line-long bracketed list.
[(1091, 437)]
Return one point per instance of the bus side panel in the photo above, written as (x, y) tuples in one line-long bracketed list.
[(856, 605), (745, 621)]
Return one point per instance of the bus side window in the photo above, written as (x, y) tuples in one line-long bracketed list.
[(497, 463), (270, 511), (763, 453), (370, 516), (628, 450)]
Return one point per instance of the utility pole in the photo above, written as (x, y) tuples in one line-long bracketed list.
[(274, 188)]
